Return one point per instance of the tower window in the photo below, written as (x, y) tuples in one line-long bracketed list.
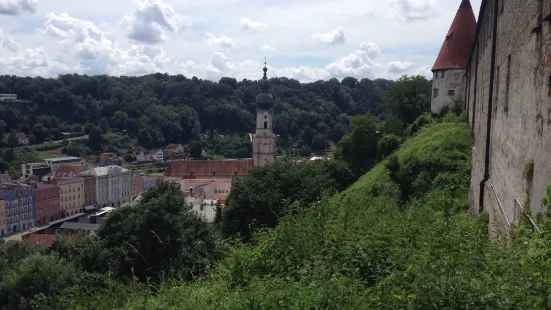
[(451, 92), (435, 93), (265, 117), (265, 125), (443, 73)]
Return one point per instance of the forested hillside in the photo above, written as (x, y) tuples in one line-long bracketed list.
[(159, 108)]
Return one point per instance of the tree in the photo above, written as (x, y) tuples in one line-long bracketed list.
[(95, 139), (262, 198), (159, 234), (144, 138), (407, 98), (118, 119), (195, 149), (12, 139), (76, 128), (104, 125), (88, 128), (40, 133), (359, 147), (388, 144)]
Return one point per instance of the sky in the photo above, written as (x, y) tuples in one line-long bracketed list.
[(307, 40)]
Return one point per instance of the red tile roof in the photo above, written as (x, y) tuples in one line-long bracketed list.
[(43, 239), (67, 170), (208, 168), (455, 51)]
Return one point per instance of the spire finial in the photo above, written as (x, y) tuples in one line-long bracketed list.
[(265, 69)]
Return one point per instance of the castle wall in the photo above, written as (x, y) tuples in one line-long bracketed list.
[(454, 80), (521, 107)]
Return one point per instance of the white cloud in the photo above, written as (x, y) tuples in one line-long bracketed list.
[(412, 10), (16, 7), (223, 42), (398, 67), (331, 38), (268, 48), (94, 51), (153, 22), (358, 63), (252, 26)]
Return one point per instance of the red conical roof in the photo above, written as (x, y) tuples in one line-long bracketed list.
[(456, 49)]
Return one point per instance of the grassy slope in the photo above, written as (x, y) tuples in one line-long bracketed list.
[(360, 249)]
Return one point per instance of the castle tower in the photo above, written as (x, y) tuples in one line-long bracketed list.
[(449, 80), (264, 140)]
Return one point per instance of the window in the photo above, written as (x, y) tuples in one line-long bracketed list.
[(443, 73), (549, 86), (265, 125), (435, 93), (451, 92)]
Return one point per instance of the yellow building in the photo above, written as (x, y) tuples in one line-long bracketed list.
[(2, 218), (71, 196)]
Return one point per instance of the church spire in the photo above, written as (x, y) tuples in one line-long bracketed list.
[(265, 69)]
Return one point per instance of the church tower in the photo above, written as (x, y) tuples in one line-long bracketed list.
[(449, 81), (264, 139)]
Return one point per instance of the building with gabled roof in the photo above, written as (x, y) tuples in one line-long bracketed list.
[(449, 78), (113, 185)]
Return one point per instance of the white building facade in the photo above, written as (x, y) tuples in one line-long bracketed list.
[(113, 185)]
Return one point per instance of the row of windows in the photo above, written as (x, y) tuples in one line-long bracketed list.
[(451, 92), (17, 218), (220, 191), (69, 190), (13, 203), (45, 212), (16, 210), (68, 198)]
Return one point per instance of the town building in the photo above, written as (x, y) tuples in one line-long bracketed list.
[(143, 155), (112, 185), (19, 207), (264, 140), (149, 180), (2, 219), (22, 138), (55, 162), (38, 169), (8, 97), (46, 199), (449, 70), (204, 169), (71, 196), (176, 148), (508, 100), (67, 171), (108, 156), (89, 192), (136, 186)]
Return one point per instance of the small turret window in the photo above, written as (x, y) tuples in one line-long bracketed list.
[(265, 125)]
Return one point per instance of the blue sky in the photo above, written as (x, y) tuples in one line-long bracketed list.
[(303, 39)]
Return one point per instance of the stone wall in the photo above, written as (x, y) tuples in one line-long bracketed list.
[(520, 129), (452, 80)]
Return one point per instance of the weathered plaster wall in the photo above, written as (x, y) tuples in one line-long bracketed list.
[(521, 108), (453, 79)]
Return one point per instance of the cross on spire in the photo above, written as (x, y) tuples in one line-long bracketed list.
[(265, 69)]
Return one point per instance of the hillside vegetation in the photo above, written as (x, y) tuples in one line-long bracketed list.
[(371, 246)]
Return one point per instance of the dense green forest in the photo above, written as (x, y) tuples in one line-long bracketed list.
[(157, 109)]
